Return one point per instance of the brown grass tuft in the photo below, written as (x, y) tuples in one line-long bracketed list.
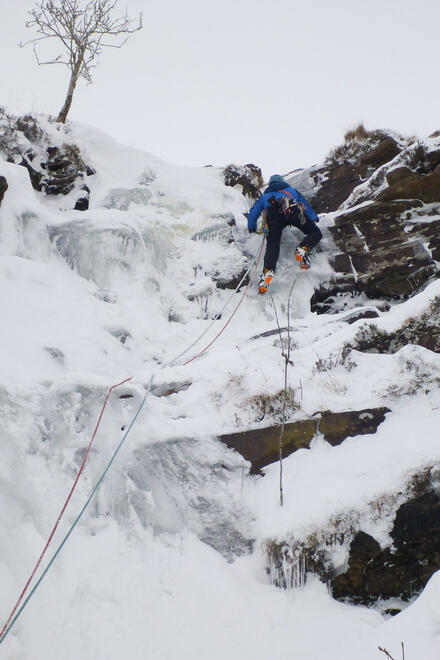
[(359, 132)]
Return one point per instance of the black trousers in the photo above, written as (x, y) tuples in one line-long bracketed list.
[(276, 222)]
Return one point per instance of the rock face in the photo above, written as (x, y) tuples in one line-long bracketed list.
[(248, 177), (3, 187), (261, 446), (60, 173), (423, 330), (63, 167), (53, 169), (344, 169), (384, 192), (373, 574), (401, 572), (382, 261), (403, 183)]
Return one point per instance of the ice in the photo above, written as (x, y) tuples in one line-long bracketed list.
[(121, 198), (195, 485), (23, 231), (169, 560), (109, 253)]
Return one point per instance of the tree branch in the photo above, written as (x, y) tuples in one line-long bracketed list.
[(56, 60), (82, 31)]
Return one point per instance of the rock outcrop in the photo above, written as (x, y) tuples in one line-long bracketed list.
[(383, 262), (373, 574), (261, 446), (248, 177), (3, 187), (54, 169), (329, 185), (61, 171), (400, 571), (423, 330), (403, 183), (384, 192)]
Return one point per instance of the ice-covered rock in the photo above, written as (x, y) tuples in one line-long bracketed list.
[(248, 177), (105, 248), (23, 226), (45, 149), (188, 484)]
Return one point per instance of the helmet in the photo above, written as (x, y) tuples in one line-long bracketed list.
[(276, 178)]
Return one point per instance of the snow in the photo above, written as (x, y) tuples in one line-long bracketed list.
[(350, 475), (159, 565)]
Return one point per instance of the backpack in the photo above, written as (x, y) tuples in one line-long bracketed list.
[(289, 206)]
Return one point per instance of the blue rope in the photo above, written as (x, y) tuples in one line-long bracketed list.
[(92, 494)]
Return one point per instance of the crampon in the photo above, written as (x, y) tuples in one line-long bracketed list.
[(301, 255), (265, 280)]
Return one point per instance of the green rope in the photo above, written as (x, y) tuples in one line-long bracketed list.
[(92, 494)]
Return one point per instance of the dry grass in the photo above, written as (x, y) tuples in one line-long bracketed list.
[(273, 406), (357, 140), (360, 134)]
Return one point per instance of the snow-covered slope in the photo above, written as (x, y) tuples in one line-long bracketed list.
[(168, 560)]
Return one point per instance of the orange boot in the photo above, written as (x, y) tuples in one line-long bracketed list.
[(301, 255), (265, 280)]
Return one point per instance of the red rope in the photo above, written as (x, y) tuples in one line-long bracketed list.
[(93, 437), (64, 507), (233, 313)]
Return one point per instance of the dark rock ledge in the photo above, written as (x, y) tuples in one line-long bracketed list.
[(403, 571), (3, 187), (374, 575), (261, 446)]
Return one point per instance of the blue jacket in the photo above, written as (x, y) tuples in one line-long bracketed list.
[(273, 190)]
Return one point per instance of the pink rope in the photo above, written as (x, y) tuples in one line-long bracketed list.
[(93, 437), (64, 507), (233, 313)]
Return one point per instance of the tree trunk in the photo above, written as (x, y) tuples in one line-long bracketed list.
[(69, 97)]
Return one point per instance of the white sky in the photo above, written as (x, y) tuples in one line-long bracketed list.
[(275, 83)]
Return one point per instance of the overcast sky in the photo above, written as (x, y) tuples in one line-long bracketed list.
[(276, 83)]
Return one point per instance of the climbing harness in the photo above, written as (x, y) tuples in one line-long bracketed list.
[(292, 206)]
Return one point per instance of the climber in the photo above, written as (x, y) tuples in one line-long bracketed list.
[(283, 206)]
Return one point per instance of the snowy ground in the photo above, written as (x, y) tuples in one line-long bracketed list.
[(90, 298)]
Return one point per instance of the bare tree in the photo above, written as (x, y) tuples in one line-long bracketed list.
[(82, 30)]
